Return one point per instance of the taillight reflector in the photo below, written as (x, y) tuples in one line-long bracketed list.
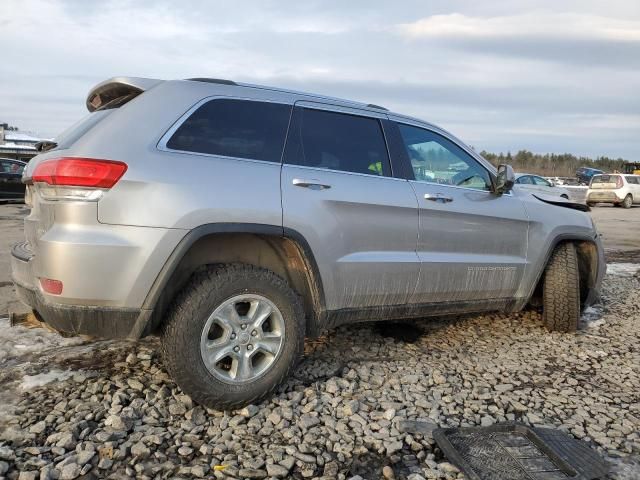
[(51, 286), (79, 172)]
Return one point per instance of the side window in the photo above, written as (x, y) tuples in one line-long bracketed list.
[(11, 167), (632, 180), (525, 180), (338, 141), (541, 182), (436, 159), (235, 128)]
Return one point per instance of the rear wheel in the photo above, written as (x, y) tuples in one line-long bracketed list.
[(628, 201), (561, 290), (232, 335)]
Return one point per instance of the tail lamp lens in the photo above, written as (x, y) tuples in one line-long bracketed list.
[(619, 182), (79, 172)]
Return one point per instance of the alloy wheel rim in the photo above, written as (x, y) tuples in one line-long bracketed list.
[(242, 338)]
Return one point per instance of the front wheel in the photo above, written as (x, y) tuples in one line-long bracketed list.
[(628, 201), (233, 335), (561, 290)]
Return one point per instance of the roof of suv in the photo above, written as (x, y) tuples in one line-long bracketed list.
[(106, 91)]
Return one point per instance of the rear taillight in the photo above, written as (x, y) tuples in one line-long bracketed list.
[(619, 182), (71, 178)]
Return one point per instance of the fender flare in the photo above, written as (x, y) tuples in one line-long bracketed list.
[(170, 266), (563, 237)]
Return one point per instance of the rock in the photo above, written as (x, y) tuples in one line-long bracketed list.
[(438, 378), (4, 467), (389, 414), (66, 441), (387, 473), (252, 473), (135, 384), (105, 463), (38, 428), (84, 457), (119, 422), (249, 411), (70, 471), (28, 475), (140, 450), (503, 387), (288, 463), (199, 471), (448, 467), (278, 471), (392, 447), (423, 427), (185, 451), (308, 421), (6, 453), (486, 421)]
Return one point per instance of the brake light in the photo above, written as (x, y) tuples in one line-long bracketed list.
[(71, 178), (79, 172), (619, 182)]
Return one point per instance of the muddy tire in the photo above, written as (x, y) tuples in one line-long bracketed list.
[(233, 335), (627, 202), (561, 290)]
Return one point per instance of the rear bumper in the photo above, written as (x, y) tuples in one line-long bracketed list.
[(606, 196), (99, 321)]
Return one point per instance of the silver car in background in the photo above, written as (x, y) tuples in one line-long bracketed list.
[(235, 220), (536, 183)]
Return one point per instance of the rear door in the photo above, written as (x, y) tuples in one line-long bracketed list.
[(338, 193), (472, 243)]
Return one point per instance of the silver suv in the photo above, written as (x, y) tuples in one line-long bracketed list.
[(235, 220)]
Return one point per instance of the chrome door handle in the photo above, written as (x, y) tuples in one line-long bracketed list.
[(438, 197), (312, 184)]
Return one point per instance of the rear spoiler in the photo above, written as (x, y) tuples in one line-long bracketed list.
[(111, 91)]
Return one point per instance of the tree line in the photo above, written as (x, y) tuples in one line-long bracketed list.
[(551, 164)]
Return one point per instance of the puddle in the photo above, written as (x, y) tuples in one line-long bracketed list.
[(406, 332)]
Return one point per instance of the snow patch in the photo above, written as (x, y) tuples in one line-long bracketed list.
[(592, 317), (623, 269), (41, 379)]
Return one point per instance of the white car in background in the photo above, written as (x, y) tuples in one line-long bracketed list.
[(538, 184), (621, 190)]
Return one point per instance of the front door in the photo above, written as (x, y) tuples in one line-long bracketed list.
[(472, 243), (337, 192)]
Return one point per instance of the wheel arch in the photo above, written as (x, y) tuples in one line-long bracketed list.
[(283, 251), (587, 252)]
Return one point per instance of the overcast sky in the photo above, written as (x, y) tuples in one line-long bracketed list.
[(547, 76)]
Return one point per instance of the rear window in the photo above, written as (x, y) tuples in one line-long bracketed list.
[(605, 179), (235, 128)]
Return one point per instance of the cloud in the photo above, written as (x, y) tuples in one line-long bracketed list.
[(501, 75)]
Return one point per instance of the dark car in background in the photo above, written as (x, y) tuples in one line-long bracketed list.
[(585, 174), (11, 186)]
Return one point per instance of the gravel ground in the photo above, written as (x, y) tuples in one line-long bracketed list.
[(75, 408)]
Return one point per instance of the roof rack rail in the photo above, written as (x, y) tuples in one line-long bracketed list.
[(373, 105), (221, 81)]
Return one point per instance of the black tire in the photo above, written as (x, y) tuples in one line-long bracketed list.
[(561, 290), (181, 333), (566, 197), (627, 202), (591, 204)]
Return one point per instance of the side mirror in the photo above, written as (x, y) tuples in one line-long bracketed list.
[(504, 179)]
